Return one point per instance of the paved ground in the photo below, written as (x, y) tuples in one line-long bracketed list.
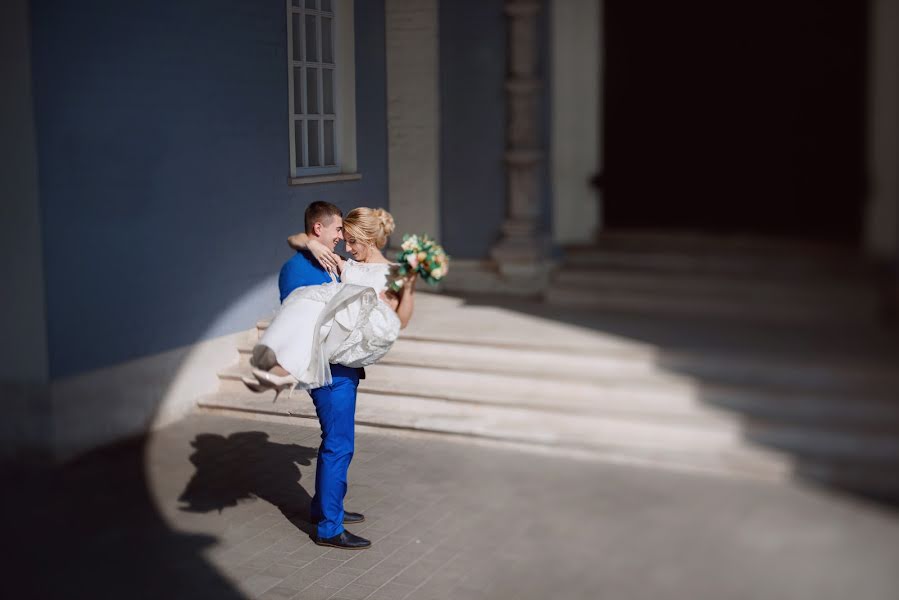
[(215, 507)]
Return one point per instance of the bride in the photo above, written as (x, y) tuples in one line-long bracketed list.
[(352, 322)]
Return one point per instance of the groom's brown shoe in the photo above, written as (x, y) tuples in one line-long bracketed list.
[(345, 540)]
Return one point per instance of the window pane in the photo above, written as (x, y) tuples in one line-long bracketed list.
[(327, 49), (311, 4), (311, 39), (326, 5), (329, 143), (298, 90), (298, 139), (296, 3), (297, 42), (311, 91), (328, 91), (312, 146)]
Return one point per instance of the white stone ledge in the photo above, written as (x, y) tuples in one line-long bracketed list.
[(324, 178)]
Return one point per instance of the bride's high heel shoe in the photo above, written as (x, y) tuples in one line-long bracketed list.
[(278, 382)]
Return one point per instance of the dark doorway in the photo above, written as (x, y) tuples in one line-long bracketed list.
[(735, 117)]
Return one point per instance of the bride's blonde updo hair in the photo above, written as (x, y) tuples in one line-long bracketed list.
[(369, 225)]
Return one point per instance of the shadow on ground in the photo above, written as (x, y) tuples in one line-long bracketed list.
[(246, 465), (90, 529)]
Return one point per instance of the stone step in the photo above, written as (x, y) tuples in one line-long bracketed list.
[(736, 289), (442, 319), (648, 398), (720, 262), (870, 478), (812, 409), (677, 446), (659, 368), (851, 415), (857, 444), (533, 362), (736, 245), (703, 241), (868, 377), (692, 304)]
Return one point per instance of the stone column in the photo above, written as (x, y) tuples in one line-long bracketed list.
[(521, 249), (882, 227), (26, 426), (882, 231)]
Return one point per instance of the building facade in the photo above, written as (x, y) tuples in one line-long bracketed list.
[(158, 158)]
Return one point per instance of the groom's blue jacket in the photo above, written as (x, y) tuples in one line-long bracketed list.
[(299, 271)]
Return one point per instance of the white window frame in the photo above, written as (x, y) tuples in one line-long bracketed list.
[(344, 115)]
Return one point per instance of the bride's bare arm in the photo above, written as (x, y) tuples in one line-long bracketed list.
[(402, 302), (406, 301), (328, 259)]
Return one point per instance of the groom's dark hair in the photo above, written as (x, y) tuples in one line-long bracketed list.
[(318, 212)]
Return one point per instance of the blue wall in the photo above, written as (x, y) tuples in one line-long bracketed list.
[(473, 124), (163, 159)]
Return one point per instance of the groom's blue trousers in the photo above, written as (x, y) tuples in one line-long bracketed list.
[(335, 406)]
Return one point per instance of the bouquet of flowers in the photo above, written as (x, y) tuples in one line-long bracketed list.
[(421, 255)]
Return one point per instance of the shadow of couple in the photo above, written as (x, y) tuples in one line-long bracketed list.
[(244, 466)]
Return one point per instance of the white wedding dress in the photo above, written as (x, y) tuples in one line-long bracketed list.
[(342, 322)]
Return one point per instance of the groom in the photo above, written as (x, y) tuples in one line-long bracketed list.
[(335, 404)]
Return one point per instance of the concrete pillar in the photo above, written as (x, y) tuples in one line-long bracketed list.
[(413, 115), (576, 96), (25, 426), (521, 249), (882, 226), (22, 313), (882, 215)]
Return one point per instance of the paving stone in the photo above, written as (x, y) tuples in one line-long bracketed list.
[(281, 570), (302, 579), (254, 545), (356, 591), (317, 592), (279, 592), (417, 572), (309, 552), (366, 560), (233, 558), (265, 559), (392, 591), (345, 570), (242, 573), (259, 584), (379, 575), (337, 580), (439, 513)]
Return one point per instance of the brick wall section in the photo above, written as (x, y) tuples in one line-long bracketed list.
[(413, 114)]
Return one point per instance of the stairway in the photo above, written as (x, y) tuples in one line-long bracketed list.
[(730, 277), (525, 373)]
